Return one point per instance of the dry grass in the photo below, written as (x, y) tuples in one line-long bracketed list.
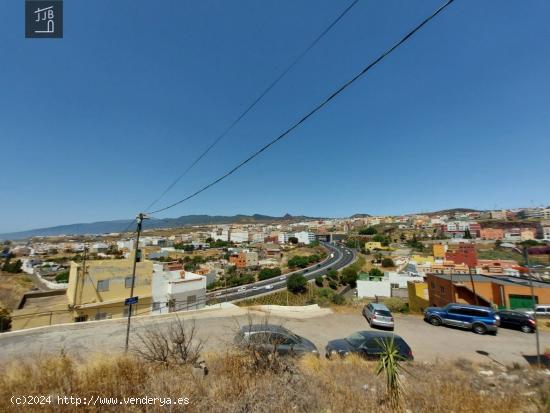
[(12, 288), (311, 385)]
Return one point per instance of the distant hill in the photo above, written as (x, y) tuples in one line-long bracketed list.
[(453, 211), (104, 227)]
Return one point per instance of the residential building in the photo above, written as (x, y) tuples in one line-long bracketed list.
[(282, 238), (499, 291), (238, 236), (462, 253), (244, 259), (174, 289), (100, 291), (492, 233), (499, 267), (305, 237), (439, 250), (371, 286), (419, 298), (543, 229), (498, 214)]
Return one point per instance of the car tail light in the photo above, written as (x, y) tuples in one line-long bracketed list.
[(391, 318), (532, 322), (410, 353)]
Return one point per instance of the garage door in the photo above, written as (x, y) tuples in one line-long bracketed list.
[(521, 301)]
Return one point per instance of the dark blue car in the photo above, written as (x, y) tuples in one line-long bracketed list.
[(472, 317)]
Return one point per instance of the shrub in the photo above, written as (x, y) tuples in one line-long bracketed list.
[(349, 277), (395, 304), (387, 262), (319, 281), (332, 284), (62, 277), (375, 272), (296, 283), (338, 299), (5, 320), (267, 273), (333, 275)]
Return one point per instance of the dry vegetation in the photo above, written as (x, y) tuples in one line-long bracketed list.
[(12, 288), (309, 385)]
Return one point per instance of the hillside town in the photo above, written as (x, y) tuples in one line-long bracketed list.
[(423, 259)]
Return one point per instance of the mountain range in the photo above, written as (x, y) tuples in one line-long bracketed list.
[(105, 227)]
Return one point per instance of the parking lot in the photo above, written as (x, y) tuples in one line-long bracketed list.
[(428, 343)]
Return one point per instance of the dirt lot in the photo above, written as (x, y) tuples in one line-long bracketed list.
[(427, 342)]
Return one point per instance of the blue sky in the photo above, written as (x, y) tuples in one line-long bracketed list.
[(96, 125)]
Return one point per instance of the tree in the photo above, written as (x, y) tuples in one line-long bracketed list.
[(12, 267), (375, 272), (332, 284), (333, 275), (349, 277), (293, 240), (387, 262), (368, 231), (267, 273), (296, 283), (467, 234), (319, 281)]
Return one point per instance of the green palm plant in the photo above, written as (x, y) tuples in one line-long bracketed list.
[(390, 365)]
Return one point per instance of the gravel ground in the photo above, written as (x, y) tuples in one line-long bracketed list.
[(427, 342)]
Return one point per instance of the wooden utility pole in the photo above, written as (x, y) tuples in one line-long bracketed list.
[(534, 302), (140, 219)]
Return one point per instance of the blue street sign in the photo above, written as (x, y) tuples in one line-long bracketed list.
[(131, 301)]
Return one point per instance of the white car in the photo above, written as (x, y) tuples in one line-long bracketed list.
[(282, 278), (268, 287), (240, 290)]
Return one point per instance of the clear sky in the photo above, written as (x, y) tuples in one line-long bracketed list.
[(94, 126)]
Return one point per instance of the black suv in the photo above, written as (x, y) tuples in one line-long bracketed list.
[(517, 320)]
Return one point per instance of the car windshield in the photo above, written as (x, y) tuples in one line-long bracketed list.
[(384, 313), (356, 339)]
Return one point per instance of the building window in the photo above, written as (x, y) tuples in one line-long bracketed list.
[(128, 282), (191, 299), (394, 285), (442, 290), (103, 285), (433, 285), (156, 306), (126, 312), (101, 316)]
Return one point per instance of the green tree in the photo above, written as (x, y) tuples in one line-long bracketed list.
[(375, 272), (267, 273), (338, 299), (467, 234), (333, 275), (332, 284), (319, 281), (387, 262), (296, 283), (349, 277), (293, 240), (368, 231)]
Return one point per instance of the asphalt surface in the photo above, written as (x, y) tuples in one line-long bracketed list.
[(339, 257), (218, 328)]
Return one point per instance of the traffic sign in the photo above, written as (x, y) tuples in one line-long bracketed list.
[(131, 301)]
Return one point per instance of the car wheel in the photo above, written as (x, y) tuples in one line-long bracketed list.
[(434, 321), (526, 329), (479, 329)]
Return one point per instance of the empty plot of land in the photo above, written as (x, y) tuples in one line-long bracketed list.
[(217, 327)]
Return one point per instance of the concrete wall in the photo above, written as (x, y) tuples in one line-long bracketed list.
[(374, 288)]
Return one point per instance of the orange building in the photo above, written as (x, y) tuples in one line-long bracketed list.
[(502, 292), (462, 253), (491, 233)]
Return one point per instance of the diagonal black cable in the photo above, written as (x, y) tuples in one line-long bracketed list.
[(312, 112), (255, 102)]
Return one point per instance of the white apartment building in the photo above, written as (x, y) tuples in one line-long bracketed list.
[(382, 287), (176, 290), (305, 237), (238, 236)]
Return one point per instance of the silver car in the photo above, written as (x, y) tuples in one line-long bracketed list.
[(378, 315)]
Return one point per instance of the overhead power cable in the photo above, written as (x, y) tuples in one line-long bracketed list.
[(312, 112), (255, 102)]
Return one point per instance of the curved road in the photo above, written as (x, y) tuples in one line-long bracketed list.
[(339, 257)]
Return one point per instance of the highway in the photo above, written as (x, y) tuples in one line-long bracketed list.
[(338, 257)]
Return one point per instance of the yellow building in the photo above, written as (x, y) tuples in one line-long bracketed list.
[(419, 298), (374, 245), (421, 260), (99, 292), (439, 250)]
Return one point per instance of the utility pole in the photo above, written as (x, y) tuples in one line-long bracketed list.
[(140, 219), (526, 257)]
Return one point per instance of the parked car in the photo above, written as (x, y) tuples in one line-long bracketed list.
[(541, 310), (274, 338), (472, 317), (367, 344), (378, 315), (517, 320)]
